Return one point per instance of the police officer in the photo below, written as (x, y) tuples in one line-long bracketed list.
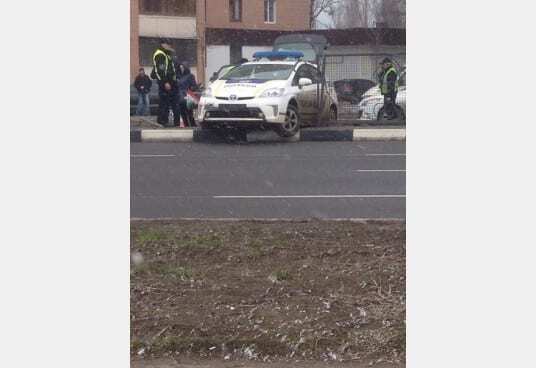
[(164, 72), (388, 79)]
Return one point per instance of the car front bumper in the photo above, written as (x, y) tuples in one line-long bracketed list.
[(257, 110), (369, 111)]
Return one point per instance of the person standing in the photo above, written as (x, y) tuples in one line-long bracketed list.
[(389, 87), (186, 81), (164, 72), (143, 85)]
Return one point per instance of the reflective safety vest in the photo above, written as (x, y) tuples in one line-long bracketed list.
[(169, 62), (383, 87)]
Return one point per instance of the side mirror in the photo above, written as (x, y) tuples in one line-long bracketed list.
[(304, 82)]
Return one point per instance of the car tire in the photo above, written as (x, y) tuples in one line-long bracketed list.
[(206, 126), (381, 115), (400, 114), (292, 123), (333, 114)]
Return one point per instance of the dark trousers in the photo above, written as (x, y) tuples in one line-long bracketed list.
[(389, 101), (187, 115), (168, 101)]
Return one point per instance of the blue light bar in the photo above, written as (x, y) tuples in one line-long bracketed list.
[(278, 55)]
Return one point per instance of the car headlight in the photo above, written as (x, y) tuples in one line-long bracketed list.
[(207, 92), (273, 92)]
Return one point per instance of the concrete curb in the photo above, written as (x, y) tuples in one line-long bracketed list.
[(305, 135)]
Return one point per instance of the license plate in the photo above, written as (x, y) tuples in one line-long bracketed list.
[(232, 107)]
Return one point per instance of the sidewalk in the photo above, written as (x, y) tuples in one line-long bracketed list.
[(145, 129)]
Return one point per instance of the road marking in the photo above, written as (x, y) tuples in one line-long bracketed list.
[(146, 156), (385, 154), (270, 219), (314, 196), (380, 170)]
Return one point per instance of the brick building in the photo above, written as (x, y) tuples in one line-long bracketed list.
[(189, 22), (212, 33)]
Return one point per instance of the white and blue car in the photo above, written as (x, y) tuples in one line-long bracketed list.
[(279, 90)]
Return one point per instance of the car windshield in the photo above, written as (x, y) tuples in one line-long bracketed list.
[(225, 70), (260, 71)]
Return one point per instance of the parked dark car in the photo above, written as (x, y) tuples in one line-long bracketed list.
[(351, 90)]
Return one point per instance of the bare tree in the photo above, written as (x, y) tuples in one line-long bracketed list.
[(356, 13), (370, 13), (392, 13), (317, 7)]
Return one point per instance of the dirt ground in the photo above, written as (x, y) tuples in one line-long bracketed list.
[(237, 294)]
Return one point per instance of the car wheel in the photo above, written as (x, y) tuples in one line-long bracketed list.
[(206, 126), (400, 115), (291, 126), (333, 114), (381, 115)]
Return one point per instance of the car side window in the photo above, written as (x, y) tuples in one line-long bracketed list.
[(314, 75), (301, 73)]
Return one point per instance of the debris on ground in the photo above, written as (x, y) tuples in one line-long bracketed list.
[(330, 291)]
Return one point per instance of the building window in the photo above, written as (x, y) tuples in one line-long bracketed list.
[(184, 8), (235, 7), (269, 11), (186, 50)]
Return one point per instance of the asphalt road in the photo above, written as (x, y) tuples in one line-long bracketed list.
[(278, 180)]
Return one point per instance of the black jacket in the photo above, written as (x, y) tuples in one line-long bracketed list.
[(391, 80), (160, 72), (144, 81), (185, 81)]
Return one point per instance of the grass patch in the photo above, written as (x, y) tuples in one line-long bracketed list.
[(207, 241), (136, 345), (280, 275), (151, 235), (165, 270)]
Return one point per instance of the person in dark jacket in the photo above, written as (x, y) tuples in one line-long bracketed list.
[(186, 81), (164, 72), (388, 79), (143, 84)]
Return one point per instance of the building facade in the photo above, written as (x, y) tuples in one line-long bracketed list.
[(187, 22), (211, 33)]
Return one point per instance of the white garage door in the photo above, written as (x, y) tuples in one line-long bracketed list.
[(217, 56), (248, 51)]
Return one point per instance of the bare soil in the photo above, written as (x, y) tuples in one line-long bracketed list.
[(253, 291)]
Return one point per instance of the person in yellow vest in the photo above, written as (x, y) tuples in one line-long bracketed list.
[(388, 79), (165, 74)]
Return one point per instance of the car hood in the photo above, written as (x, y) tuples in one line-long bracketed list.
[(244, 88), (374, 91)]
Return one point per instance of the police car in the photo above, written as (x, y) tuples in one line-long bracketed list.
[(278, 90)]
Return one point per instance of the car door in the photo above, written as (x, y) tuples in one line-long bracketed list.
[(316, 89), (305, 94)]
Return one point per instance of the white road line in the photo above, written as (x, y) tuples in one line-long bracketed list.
[(379, 170), (385, 154), (314, 196), (146, 156)]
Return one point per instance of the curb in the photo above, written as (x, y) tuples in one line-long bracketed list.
[(305, 135)]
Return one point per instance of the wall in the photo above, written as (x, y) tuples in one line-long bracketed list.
[(360, 66), (167, 26), (217, 56), (248, 51), (134, 38), (290, 15)]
